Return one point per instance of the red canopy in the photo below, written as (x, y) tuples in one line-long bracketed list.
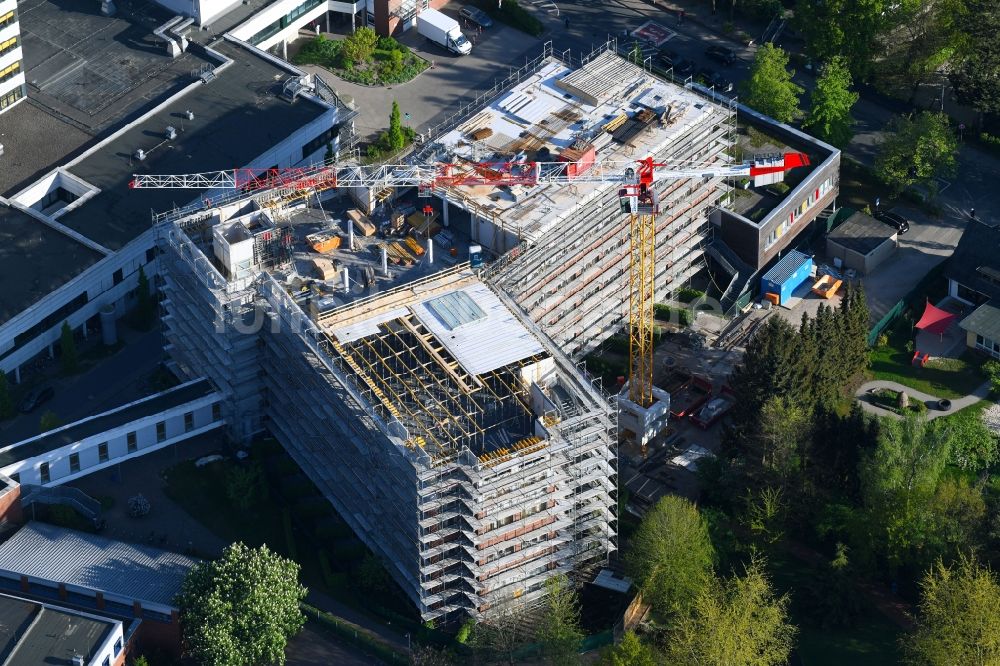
[(935, 320)]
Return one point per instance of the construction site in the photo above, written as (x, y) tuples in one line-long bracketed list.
[(420, 359)]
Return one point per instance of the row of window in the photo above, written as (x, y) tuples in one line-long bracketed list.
[(9, 44), (991, 347), (10, 97), (8, 19), (131, 445), (284, 21), (806, 204), (10, 71)]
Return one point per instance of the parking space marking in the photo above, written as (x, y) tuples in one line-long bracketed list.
[(653, 32)]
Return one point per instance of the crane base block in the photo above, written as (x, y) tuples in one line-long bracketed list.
[(643, 423)]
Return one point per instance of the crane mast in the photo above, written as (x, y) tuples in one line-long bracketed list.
[(638, 198)]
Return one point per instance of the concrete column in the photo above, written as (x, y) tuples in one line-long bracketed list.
[(474, 227), (284, 49), (354, 17), (444, 212), (430, 250), (385, 267), (347, 280), (350, 235), (328, 21)]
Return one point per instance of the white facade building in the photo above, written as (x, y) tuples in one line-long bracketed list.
[(280, 22), (12, 86)]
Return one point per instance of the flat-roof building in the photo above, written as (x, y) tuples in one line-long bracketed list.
[(12, 82), (75, 235), (37, 633)]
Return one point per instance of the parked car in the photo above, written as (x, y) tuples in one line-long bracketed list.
[(900, 223), (671, 59), (721, 54), (476, 16), (712, 79), (36, 399)]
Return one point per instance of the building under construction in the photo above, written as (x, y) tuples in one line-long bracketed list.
[(458, 442)]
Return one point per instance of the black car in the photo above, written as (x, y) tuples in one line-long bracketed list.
[(35, 399), (711, 79), (900, 223), (670, 59), (721, 54), (476, 16)]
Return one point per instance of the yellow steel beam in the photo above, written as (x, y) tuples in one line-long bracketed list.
[(642, 269)]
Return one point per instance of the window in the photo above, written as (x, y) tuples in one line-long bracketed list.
[(118, 647), (10, 71), (188, 421), (991, 347), (216, 412), (8, 45), (118, 276), (43, 471), (7, 19), (107, 661), (321, 140), (161, 431), (132, 442), (74, 462), (102, 452), (9, 98)]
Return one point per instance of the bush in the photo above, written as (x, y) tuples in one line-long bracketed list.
[(688, 294), (138, 506), (681, 316), (992, 371), (883, 341), (360, 46)]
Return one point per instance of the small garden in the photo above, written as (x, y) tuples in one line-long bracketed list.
[(896, 401), (363, 58)]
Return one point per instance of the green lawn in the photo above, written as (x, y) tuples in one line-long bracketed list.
[(943, 378)]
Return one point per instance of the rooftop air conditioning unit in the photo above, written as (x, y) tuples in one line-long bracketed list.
[(171, 132), (189, 114), (78, 660), (140, 154)]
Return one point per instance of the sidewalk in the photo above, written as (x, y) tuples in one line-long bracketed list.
[(981, 393)]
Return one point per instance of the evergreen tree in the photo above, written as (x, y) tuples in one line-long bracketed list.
[(830, 104), (765, 371), (67, 345), (397, 140), (6, 401), (630, 652), (770, 89)]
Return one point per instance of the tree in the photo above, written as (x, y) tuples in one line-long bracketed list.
[(898, 481), (736, 621), (848, 28), (371, 575), (974, 69), (49, 421), (783, 436), (559, 629), (245, 486), (242, 608), (630, 652), (770, 89), (397, 140), (915, 149), (920, 37), (959, 616), (6, 401), (141, 661), (67, 345), (427, 655), (830, 104), (992, 370), (360, 46), (504, 631), (671, 556)]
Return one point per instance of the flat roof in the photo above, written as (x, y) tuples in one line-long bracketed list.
[(555, 107), (16, 615), (984, 320), (786, 266), (87, 74), (56, 636), (238, 116), (35, 260), (862, 233), (94, 425), (60, 555)]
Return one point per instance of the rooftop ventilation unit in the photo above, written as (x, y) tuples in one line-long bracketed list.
[(140, 154), (78, 660), (171, 132), (189, 114)]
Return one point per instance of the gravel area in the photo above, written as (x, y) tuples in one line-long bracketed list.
[(991, 417)]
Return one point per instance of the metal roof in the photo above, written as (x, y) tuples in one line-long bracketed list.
[(485, 343), (984, 321), (784, 269), (59, 555)]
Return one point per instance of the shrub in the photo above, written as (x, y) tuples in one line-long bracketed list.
[(992, 371), (387, 44), (138, 506), (681, 316), (883, 341), (688, 294), (360, 46)]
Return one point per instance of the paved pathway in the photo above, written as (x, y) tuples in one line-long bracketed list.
[(981, 393)]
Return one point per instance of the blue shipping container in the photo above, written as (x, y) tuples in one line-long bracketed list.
[(786, 275)]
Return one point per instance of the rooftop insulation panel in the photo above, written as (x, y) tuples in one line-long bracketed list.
[(487, 343), (455, 309)]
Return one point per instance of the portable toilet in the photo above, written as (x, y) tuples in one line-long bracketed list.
[(785, 276)]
